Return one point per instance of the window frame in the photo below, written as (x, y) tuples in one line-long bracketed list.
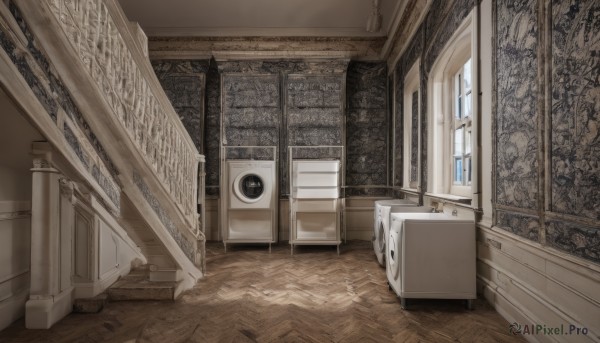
[(441, 125), (412, 83)]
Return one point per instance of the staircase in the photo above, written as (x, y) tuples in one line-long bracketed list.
[(101, 59)]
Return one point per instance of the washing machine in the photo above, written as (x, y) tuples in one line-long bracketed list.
[(250, 211), (379, 240), (382, 223), (431, 255)]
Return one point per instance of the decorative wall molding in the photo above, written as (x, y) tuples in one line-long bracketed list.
[(11, 210), (412, 16), (546, 185), (258, 48), (531, 284), (288, 66)]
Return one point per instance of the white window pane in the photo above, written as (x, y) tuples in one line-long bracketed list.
[(468, 104), (468, 170), (468, 142), (467, 75), (458, 170), (458, 141)]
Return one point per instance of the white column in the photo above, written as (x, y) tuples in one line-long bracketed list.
[(51, 290)]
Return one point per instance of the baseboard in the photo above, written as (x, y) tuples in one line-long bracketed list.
[(12, 308), (530, 286), (43, 313)]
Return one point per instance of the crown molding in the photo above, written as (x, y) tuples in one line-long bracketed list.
[(410, 20), (260, 32), (356, 48)]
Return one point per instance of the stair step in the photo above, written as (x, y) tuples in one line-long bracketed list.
[(90, 305), (125, 289)]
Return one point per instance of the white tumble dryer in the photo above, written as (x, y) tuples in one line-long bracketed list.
[(382, 228), (431, 255), (250, 211)]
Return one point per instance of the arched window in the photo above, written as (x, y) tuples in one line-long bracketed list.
[(453, 115)]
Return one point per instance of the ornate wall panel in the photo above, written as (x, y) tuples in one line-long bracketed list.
[(366, 128), (184, 82), (576, 108), (526, 226), (251, 110), (308, 112), (517, 110), (576, 239), (414, 137), (212, 139)]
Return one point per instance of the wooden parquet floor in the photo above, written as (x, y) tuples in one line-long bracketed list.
[(250, 295)]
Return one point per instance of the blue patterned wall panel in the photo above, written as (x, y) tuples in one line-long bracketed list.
[(576, 108), (517, 112)]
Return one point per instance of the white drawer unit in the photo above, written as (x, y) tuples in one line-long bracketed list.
[(314, 203)]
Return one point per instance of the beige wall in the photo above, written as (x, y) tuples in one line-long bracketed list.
[(16, 135)]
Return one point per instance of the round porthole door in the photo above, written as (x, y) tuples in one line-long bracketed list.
[(381, 236), (393, 258), (249, 187)]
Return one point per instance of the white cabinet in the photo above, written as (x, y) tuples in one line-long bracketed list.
[(315, 203)]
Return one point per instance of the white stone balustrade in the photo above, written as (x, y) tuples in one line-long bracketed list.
[(112, 61)]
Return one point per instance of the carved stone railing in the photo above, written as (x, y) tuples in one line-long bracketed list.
[(98, 37)]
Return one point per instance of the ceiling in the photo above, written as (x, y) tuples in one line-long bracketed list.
[(211, 18)]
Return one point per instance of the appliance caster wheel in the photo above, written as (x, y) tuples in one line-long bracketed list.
[(469, 304), (404, 303)]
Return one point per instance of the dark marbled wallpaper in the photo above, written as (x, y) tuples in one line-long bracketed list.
[(256, 113), (526, 226), (517, 112), (314, 115), (576, 239), (391, 127), (412, 53), (576, 108), (184, 84), (251, 110), (284, 67), (414, 138), (187, 246), (193, 86), (443, 19), (366, 124), (212, 125), (398, 133), (314, 110)]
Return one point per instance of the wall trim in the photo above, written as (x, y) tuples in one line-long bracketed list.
[(543, 309)]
